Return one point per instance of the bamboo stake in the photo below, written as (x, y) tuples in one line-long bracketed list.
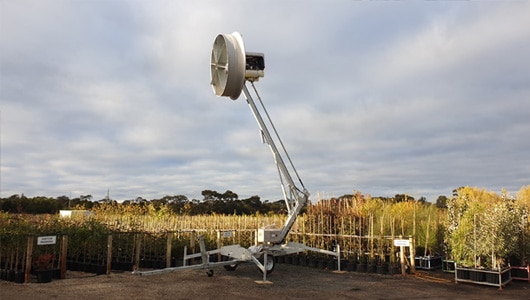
[(392, 232), (168, 249), (402, 258), (62, 256), (402, 225), (137, 254), (427, 233), (361, 254), (413, 218), (475, 240), (304, 231), (381, 239), (109, 254), (29, 254), (412, 255), (371, 238)]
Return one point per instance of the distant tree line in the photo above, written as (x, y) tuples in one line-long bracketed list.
[(441, 201), (213, 202)]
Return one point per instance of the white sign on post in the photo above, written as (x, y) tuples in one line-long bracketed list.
[(402, 243), (227, 234), (46, 240)]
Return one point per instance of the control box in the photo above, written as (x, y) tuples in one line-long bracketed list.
[(268, 236)]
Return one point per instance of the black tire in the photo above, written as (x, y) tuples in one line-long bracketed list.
[(270, 263), (231, 267)]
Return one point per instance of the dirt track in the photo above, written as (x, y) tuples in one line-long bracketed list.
[(288, 282)]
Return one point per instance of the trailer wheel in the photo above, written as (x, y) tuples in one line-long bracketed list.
[(231, 267), (209, 273), (270, 263)]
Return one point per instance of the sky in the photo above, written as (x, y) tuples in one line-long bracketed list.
[(381, 97)]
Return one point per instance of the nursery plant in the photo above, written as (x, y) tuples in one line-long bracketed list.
[(482, 228)]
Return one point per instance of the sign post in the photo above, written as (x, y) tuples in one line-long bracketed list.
[(46, 240), (401, 243)]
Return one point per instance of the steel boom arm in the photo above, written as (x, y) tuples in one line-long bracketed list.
[(295, 199)]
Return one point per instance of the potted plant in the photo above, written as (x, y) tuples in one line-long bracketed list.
[(393, 267), (351, 264), (482, 234), (428, 233), (520, 262), (42, 266), (362, 265)]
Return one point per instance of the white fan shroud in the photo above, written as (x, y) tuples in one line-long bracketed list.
[(227, 66)]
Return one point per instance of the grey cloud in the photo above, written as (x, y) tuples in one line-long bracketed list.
[(385, 98)]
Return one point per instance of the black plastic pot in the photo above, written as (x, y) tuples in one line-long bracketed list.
[(174, 263), (295, 260), (492, 278), (322, 264), (350, 266), (463, 274), (382, 269), (20, 276), (505, 276), (372, 268), (56, 273), (92, 268), (361, 268), (146, 263), (313, 263), (331, 265), (477, 275), (393, 270), (519, 273), (281, 259), (10, 275), (101, 270), (84, 267), (288, 259), (71, 265), (44, 276), (448, 266), (304, 261)]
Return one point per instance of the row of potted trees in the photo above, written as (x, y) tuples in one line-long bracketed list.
[(486, 235), (364, 265), (482, 230)]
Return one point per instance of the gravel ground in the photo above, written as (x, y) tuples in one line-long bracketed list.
[(286, 282)]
